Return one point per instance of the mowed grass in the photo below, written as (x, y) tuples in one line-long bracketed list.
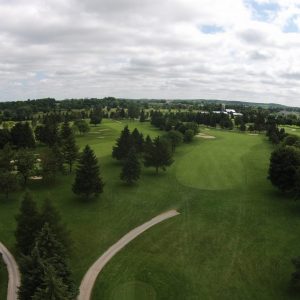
[(234, 238), (292, 129)]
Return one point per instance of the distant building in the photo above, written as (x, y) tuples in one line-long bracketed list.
[(230, 111)]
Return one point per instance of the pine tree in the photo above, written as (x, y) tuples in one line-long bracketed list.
[(48, 255), (142, 116), (148, 144), (70, 151), (159, 155), (8, 182), (6, 157), (49, 214), (28, 225), (22, 136), (137, 140), (32, 272), (51, 287), (88, 181), (65, 131), (131, 168), (124, 143)]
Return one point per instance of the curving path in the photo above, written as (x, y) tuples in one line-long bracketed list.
[(13, 273), (90, 277)]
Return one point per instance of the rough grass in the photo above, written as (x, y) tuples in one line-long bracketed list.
[(233, 240)]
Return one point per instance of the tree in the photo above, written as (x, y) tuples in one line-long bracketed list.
[(22, 136), (52, 163), (188, 136), (49, 214), (137, 140), (70, 151), (88, 181), (47, 258), (8, 183), (65, 131), (28, 225), (83, 126), (175, 137), (51, 286), (5, 137), (295, 280), (284, 163), (6, 158), (25, 161), (158, 155), (96, 116), (142, 116), (131, 169), (48, 133), (123, 145)]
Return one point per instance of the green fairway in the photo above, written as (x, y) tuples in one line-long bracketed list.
[(292, 129), (234, 239)]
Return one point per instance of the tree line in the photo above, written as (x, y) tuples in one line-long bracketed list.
[(284, 173)]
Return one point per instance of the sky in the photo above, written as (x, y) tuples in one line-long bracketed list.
[(173, 49)]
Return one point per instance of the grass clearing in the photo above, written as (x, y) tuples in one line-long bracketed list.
[(234, 239)]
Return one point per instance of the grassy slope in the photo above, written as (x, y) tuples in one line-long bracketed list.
[(228, 243)]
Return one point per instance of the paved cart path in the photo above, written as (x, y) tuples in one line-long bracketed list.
[(13, 273), (90, 277)]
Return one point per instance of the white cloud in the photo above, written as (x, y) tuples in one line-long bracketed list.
[(149, 48)]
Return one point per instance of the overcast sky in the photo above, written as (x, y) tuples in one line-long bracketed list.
[(217, 49)]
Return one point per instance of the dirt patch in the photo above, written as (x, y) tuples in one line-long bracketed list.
[(205, 136)]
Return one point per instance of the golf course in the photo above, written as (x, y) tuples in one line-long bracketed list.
[(234, 238)]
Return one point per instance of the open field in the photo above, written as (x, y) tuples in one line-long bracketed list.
[(234, 238)]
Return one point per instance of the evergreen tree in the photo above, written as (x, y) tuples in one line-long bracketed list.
[(124, 143), (22, 135), (88, 181), (8, 182), (48, 255), (6, 157), (49, 214), (65, 131), (137, 140), (142, 116), (52, 163), (70, 151), (32, 272), (131, 169), (148, 144), (28, 225), (295, 280), (159, 155), (48, 133), (96, 116), (51, 287)]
